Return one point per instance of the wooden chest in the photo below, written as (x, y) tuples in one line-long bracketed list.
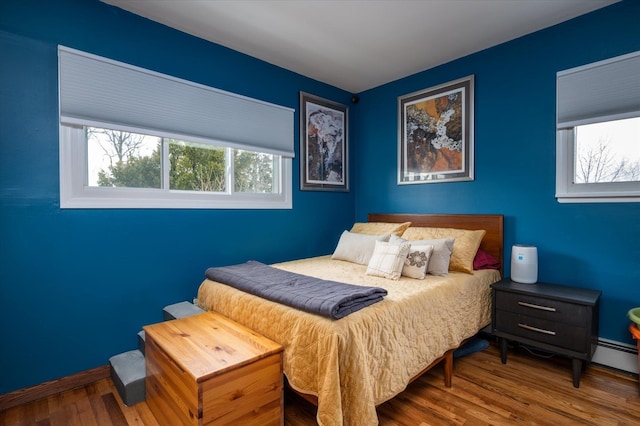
[(207, 369)]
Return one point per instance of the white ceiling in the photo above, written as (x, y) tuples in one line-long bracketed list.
[(359, 44)]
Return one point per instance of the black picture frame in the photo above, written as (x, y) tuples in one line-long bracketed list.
[(324, 144)]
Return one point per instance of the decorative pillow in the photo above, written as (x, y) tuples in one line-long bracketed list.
[(415, 266), (439, 260), (484, 260), (357, 248), (466, 247), (380, 228), (388, 260)]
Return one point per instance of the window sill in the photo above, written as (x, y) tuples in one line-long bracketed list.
[(568, 199), (134, 198)]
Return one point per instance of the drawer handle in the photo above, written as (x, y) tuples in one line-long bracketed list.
[(542, 308), (536, 329)]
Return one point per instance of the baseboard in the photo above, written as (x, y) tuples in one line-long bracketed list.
[(620, 356), (53, 387)]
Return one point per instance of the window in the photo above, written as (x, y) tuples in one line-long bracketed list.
[(607, 152), (598, 132), (119, 169), (132, 138), (117, 159)]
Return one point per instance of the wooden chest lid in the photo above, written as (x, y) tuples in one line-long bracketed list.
[(208, 344)]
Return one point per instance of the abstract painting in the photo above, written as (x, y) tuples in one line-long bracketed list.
[(323, 144), (435, 137)]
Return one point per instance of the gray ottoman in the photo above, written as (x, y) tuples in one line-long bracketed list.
[(180, 310), (128, 373)]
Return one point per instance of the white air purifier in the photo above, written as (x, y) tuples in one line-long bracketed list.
[(524, 264)]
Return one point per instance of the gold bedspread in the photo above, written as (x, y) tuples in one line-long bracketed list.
[(368, 357)]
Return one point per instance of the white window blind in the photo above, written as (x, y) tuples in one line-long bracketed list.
[(105, 93), (601, 91)]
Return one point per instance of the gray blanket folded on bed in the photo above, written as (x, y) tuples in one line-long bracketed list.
[(327, 298)]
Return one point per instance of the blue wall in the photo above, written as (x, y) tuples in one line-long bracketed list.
[(590, 245), (77, 285)]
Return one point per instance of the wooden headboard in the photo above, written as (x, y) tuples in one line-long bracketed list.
[(492, 242)]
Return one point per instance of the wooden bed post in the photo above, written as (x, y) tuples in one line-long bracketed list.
[(448, 368)]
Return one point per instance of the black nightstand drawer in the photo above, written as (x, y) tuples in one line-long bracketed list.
[(535, 306), (543, 330)]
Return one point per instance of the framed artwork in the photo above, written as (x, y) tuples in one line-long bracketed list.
[(324, 145), (435, 134)]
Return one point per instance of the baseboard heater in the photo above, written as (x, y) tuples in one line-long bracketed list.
[(618, 355)]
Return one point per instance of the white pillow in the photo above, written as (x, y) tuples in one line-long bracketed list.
[(439, 260), (388, 260), (357, 248), (415, 266)]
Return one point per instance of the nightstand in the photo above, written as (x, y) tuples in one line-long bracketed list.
[(555, 318)]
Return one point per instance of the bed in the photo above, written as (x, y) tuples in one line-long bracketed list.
[(349, 366)]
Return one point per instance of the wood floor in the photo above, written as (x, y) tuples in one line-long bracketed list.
[(527, 390)]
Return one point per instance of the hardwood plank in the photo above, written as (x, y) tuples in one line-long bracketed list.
[(40, 410), (144, 414), (56, 409), (83, 412), (131, 415), (11, 416), (100, 411), (53, 387), (104, 386), (138, 414), (297, 410), (113, 407), (526, 390)]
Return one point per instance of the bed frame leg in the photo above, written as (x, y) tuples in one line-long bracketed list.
[(448, 368)]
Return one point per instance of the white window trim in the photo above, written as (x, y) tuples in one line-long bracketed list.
[(569, 192), (75, 194), (602, 91)]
